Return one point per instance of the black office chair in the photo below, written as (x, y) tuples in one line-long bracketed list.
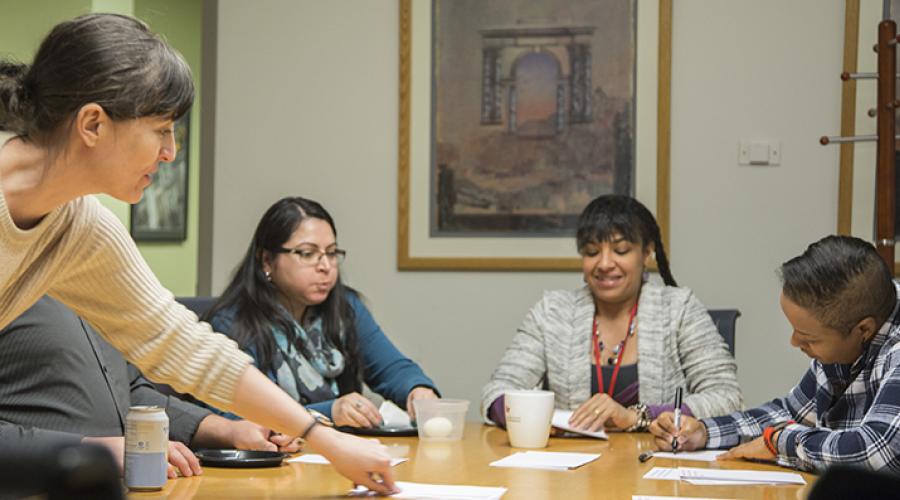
[(724, 320), (197, 304)]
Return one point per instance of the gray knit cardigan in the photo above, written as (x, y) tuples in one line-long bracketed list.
[(678, 346)]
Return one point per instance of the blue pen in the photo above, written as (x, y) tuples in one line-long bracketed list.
[(677, 419)]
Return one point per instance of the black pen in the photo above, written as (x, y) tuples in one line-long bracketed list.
[(677, 419), (643, 457)]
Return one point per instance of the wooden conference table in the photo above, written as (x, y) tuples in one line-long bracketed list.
[(617, 474)]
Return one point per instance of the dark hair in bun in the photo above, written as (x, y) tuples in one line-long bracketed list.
[(108, 59)]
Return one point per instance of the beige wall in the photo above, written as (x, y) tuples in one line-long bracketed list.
[(753, 69), (307, 104)]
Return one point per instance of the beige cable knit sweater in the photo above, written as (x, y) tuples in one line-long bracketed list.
[(81, 255)]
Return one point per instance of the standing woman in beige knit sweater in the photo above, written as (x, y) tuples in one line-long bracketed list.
[(94, 113)]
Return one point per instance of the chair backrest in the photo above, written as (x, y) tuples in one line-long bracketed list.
[(197, 304), (724, 320)]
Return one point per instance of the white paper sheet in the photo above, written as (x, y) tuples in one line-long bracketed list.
[(561, 421), (655, 497), (741, 476), (663, 473), (701, 456), (439, 492), (393, 416), (723, 476), (713, 482), (312, 458), (547, 460), (674, 474)]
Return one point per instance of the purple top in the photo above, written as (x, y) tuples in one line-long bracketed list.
[(626, 394)]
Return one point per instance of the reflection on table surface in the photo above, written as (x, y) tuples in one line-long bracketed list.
[(616, 474)]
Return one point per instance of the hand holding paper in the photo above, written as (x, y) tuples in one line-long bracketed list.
[(437, 492), (561, 421)]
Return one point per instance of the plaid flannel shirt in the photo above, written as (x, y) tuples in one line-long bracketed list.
[(845, 414)]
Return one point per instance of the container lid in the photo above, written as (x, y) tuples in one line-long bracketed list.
[(442, 404), (146, 409)]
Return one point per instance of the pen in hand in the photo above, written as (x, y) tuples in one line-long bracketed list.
[(677, 419)]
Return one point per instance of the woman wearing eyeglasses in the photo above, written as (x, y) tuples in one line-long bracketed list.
[(311, 334)]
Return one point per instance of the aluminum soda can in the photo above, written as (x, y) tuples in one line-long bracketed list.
[(146, 448)]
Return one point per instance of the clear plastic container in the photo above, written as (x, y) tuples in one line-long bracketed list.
[(441, 419)]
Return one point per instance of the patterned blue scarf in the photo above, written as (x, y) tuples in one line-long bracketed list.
[(308, 379)]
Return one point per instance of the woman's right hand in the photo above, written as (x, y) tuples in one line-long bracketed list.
[(364, 461), (691, 435), (355, 410)]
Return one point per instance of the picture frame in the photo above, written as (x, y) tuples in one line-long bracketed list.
[(161, 214), (418, 249), (856, 178)]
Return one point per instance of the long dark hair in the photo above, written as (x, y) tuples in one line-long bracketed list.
[(254, 298), (612, 214), (108, 59)]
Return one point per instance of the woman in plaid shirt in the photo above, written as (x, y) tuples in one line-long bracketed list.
[(841, 301)]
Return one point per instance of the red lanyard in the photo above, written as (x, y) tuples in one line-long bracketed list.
[(598, 364)]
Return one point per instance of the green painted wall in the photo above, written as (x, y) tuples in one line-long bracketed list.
[(23, 25), (180, 22)]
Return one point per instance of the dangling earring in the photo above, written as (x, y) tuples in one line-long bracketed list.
[(268, 276)]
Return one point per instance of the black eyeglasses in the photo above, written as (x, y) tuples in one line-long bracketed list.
[(310, 257)]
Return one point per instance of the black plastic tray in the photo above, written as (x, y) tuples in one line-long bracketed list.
[(381, 431), (240, 458)]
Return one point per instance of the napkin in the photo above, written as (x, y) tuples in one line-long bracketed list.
[(393, 416)]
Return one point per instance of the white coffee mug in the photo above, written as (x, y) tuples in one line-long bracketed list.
[(528, 417)]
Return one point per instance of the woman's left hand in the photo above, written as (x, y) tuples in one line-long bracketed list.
[(602, 411), (418, 393)]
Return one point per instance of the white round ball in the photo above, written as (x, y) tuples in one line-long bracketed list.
[(438, 427)]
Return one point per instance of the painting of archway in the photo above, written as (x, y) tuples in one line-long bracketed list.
[(533, 105), (533, 96)]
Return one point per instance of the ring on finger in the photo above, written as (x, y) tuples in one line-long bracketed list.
[(358, 404), (596, 412)]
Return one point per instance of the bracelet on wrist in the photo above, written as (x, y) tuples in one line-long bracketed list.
[(309, 428), (770, 438), (643, 418)]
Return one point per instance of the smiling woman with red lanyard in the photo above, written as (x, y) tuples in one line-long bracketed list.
[(587, 345)]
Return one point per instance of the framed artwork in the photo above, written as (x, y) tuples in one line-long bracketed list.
[(856, 180), (514, 114), (161, 215)]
